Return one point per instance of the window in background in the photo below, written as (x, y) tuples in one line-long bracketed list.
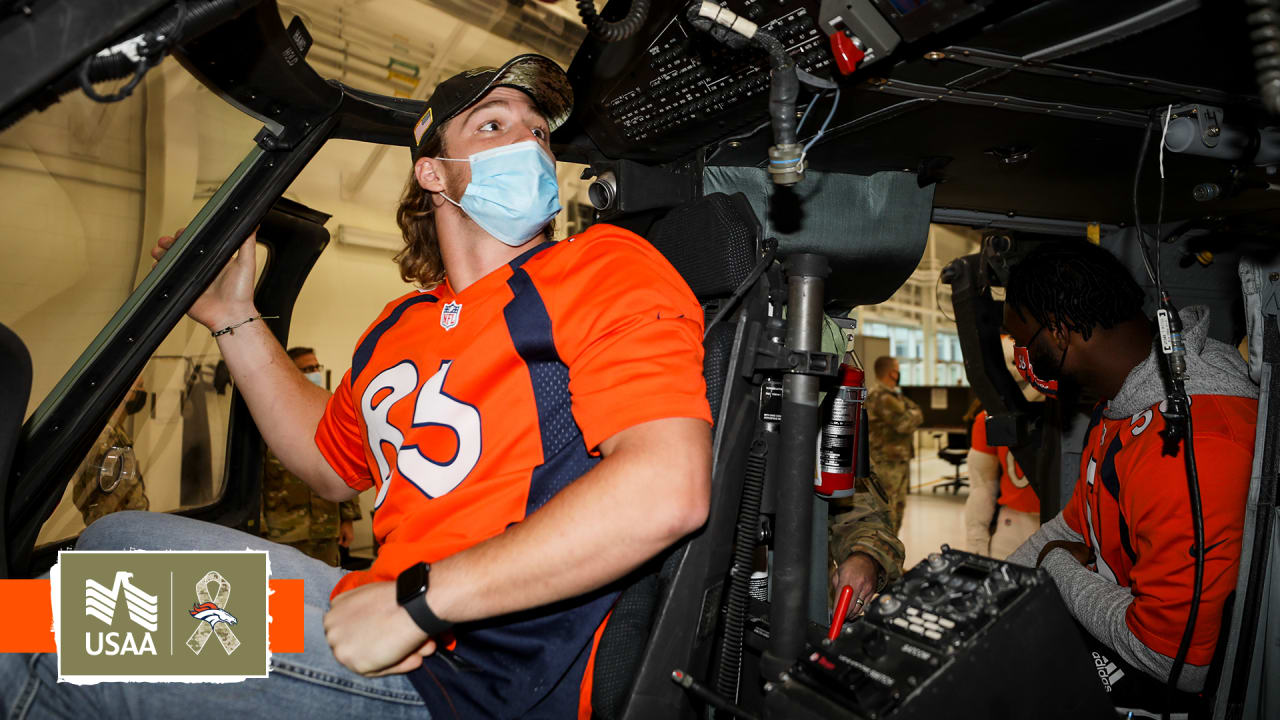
[(876, 330), (949, 369), (907, 345), (912, 372)]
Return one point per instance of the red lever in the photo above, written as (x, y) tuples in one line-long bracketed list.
[(842, 609), (847, 54)]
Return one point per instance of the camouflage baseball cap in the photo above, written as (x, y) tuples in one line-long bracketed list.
[(537, 76)]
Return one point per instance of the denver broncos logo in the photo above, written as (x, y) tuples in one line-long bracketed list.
[(212, 614)]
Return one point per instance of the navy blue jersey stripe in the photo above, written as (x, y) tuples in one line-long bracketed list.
[(528, 665), (564, 455), (520, 260), (1094, 419), (1111, 481), (365, 351)]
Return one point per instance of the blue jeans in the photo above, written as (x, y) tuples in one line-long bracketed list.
[(311, 684)]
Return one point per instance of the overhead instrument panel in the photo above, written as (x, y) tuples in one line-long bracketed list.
[(681, 89), (672, 88)]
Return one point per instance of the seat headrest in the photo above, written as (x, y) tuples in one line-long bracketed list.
[(713, 242)]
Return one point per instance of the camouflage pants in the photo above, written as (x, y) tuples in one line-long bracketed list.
[(325, 550), (895, 477)]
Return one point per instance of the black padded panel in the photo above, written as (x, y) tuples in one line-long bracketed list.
[(621, 646), (711, 241), (15, 389), (717, 346)]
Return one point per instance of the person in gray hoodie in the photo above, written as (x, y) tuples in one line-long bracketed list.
[(1120, 552)]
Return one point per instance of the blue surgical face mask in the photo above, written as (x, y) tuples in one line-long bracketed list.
[(513, 192), (317, 378)]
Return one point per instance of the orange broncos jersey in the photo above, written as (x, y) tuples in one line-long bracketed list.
[(1132, 506), (1015, 490), (468, 411)]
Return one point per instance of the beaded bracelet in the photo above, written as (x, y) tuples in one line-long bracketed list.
[(231, 329)]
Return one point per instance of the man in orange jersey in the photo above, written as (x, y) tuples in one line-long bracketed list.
[(1002, 510), (533, 416), (1121, 552)]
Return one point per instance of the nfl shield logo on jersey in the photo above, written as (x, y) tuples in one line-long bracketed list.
[(449, 315)]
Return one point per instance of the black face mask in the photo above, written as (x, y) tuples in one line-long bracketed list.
[(137, 400), (1046, 367), (897, 378)]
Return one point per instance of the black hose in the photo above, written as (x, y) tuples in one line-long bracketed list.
[(1266, 51), (1178, 410), (613, 31), (1137, 218), (745, 539), (1197, 519), (784, 88)]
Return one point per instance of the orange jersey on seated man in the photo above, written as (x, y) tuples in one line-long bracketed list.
[(1121, 552), (469, 411), (1131, 506)]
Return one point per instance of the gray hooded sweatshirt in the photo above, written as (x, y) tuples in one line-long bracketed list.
[(1213, 368)]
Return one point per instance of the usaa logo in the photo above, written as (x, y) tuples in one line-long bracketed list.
[(143, 609)]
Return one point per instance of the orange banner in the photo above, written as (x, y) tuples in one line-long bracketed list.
[(28, 625)]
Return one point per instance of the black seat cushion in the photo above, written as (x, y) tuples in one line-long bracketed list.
[(713, 242)]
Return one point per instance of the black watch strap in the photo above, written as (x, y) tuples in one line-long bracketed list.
[(422, 615), (411, 594)]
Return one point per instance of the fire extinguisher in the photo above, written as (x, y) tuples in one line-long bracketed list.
[(842, 440)]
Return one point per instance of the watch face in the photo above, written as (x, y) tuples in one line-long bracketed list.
[(412, 582)]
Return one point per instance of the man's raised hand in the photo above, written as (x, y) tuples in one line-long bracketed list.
[(229, 299)]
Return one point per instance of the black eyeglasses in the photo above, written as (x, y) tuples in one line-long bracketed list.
[(312, 368)]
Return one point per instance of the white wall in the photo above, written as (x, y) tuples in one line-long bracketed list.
[(70, 216)]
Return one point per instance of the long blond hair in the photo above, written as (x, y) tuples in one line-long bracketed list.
[(420, 261)]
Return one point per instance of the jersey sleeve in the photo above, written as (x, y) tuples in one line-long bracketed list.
[(978, 436), (1159, 517), (339, 438), (630, 330)]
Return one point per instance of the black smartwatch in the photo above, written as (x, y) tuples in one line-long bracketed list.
[(411, 593)]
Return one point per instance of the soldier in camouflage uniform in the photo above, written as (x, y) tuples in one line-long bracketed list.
[(894, 418), (294, 515), (863, 550), (129, 493), (291, 512)]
